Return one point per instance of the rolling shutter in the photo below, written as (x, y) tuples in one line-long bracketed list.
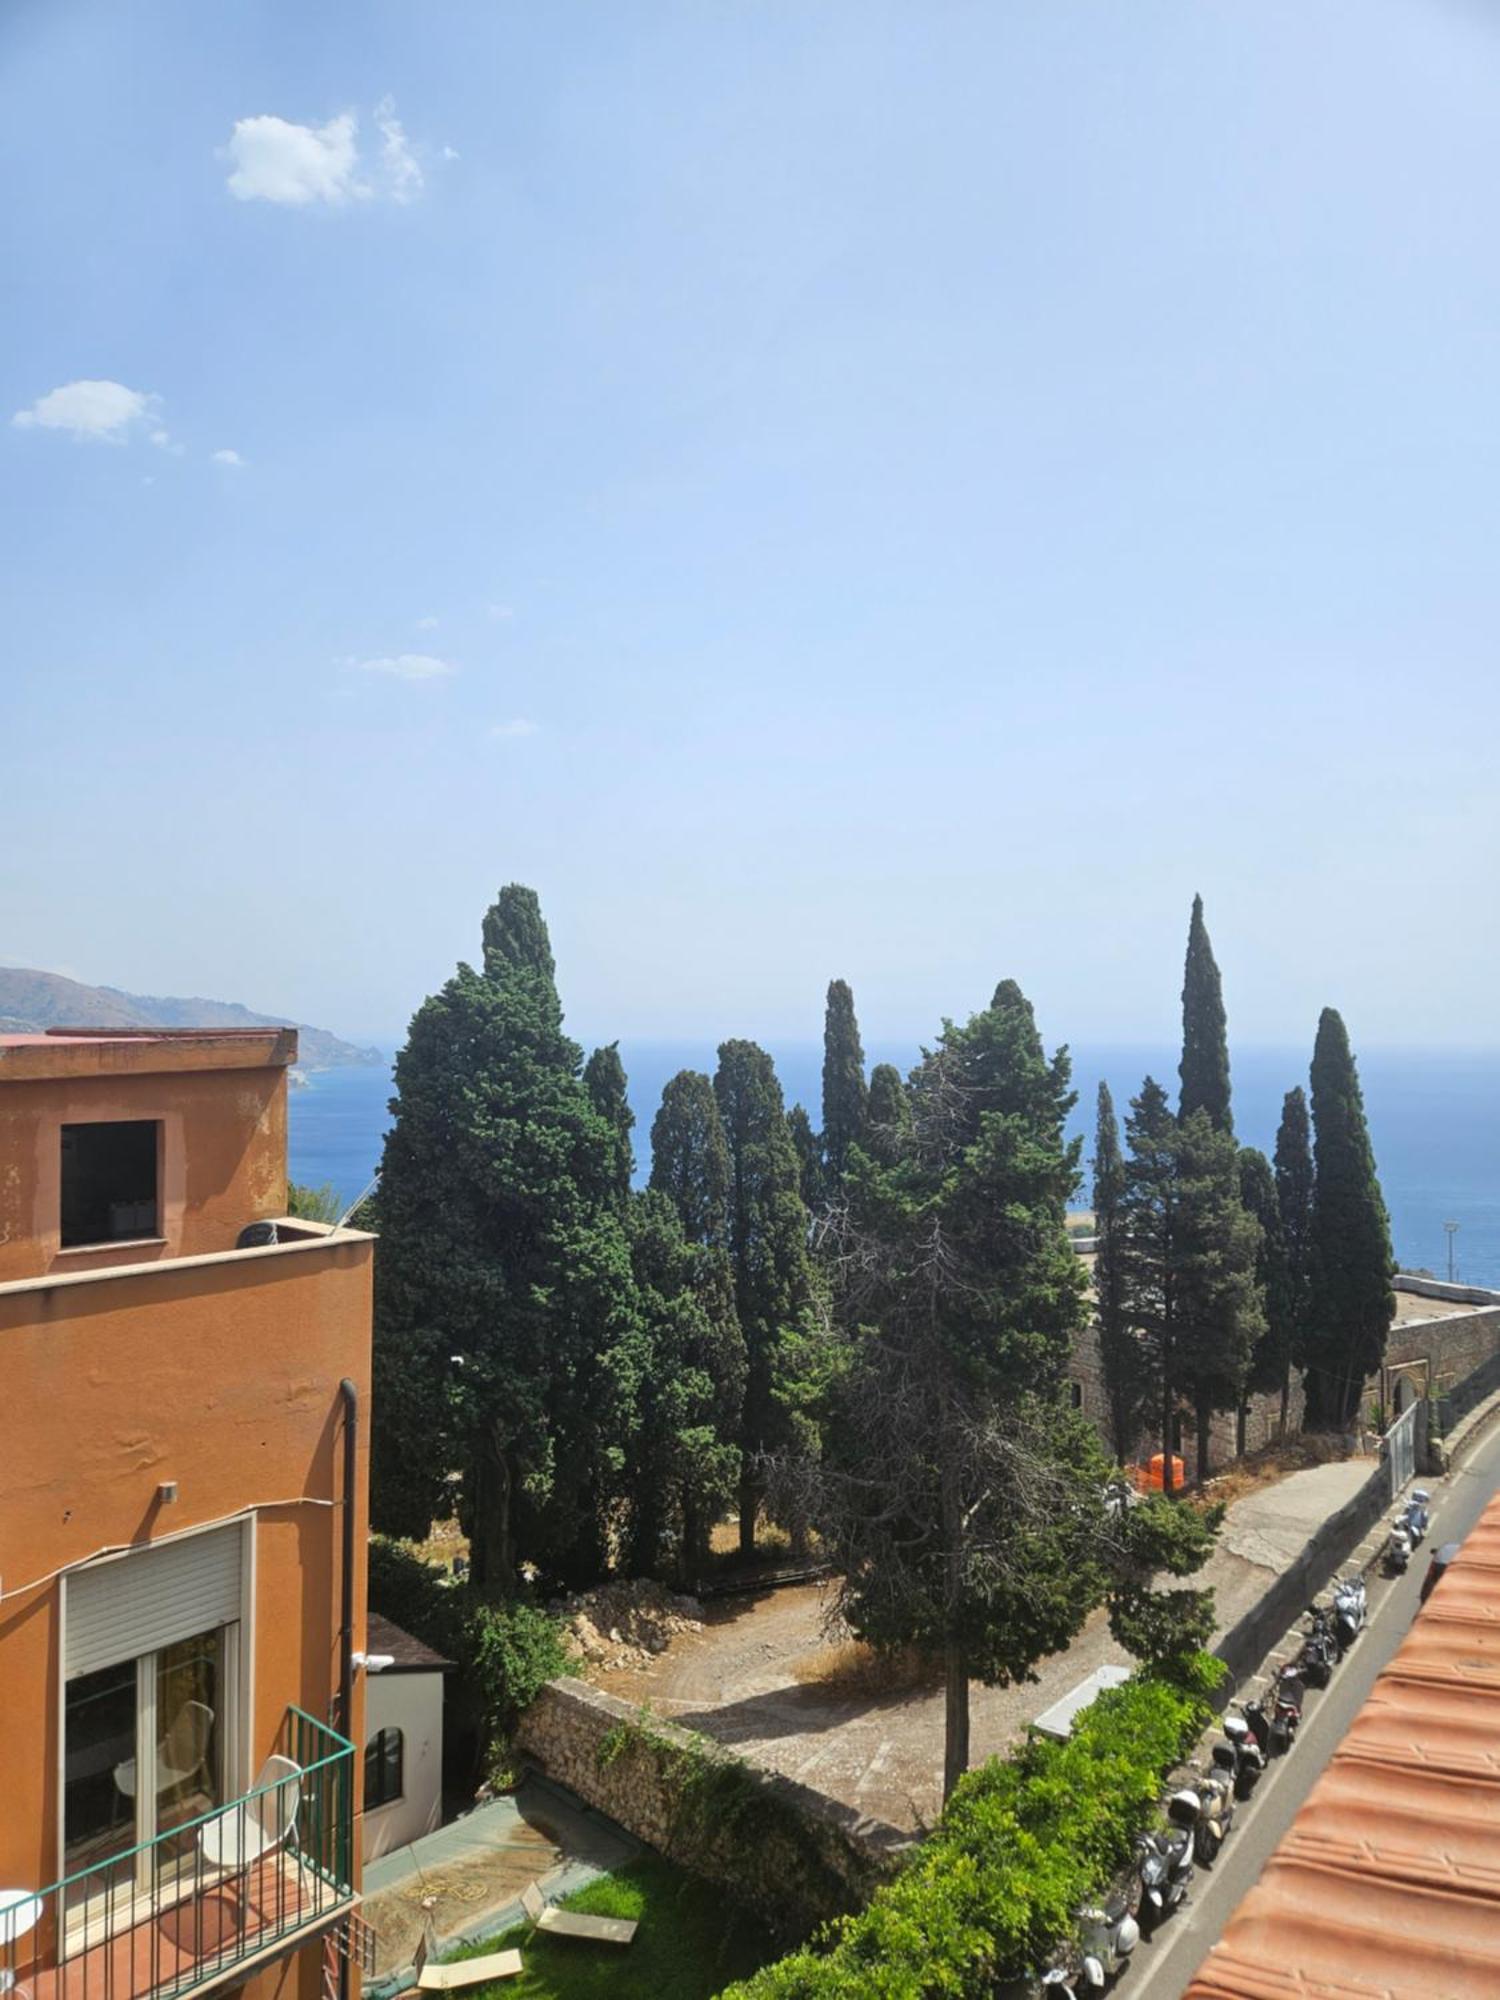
[(136, 1604)]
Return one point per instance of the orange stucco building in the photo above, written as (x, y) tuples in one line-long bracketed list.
[(182, 1528)]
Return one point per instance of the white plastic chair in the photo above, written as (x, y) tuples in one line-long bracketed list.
[(244, 1833), (179, 1756)]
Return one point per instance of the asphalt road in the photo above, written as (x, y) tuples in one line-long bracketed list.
[(1162, 1967)]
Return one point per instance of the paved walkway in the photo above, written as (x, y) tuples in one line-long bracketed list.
[(738, 1680), (473, 1871)]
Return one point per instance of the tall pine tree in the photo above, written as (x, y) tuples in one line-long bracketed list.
[(1205, 1048), (1294, 1205), (768, 1258), (690, 1159), (604, 1080), (1351, 1303), (845, 1093), (1217, 1243), (1125, 1382), (1146, 1255), (813, 1178), (506, 1339)]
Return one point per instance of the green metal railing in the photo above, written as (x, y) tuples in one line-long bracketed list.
[(182, 1911)]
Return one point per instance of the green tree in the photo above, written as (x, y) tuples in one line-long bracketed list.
[(1220, 1318), (812, 1178), (323, 1203), (605, 1081), (1146, 1256), (684, 1463), (1294, 1201), (506, 1341), (690, 1158), (1126, 1386), (961, 1499), (1205, 1049), (845, 1093), (887, 1132), (1351, 1302), (1271, 1361), (768, 1257)]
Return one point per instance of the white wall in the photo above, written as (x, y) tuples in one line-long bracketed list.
[(412, 1703)]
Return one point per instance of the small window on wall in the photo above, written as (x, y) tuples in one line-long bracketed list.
[(109, 1174), (384, 1779), (1075, 1395)]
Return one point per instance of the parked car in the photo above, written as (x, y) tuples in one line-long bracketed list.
[(1437, 1569)]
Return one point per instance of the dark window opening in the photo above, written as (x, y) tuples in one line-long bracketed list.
[(1075, 1395), (384, 1779), (109, 1182)]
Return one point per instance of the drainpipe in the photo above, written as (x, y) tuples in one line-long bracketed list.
[(350, 1397)]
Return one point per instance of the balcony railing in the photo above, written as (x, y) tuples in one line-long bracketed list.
[(202, 1903)]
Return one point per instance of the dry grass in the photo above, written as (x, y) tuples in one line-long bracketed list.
[(445, 1540), (852, 1667), (1275, 1462)]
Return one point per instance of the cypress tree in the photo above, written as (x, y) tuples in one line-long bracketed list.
[(1351, 1303), (690, 1159), (845, 1094), (502, 1245), (1216, 1246), (1294, 1202), (1120, 1358), (887, 1133), (1146, 1255), (604, 1079), (1271, 1360), (813, 1180), (1205, 1049), (768, 1256)]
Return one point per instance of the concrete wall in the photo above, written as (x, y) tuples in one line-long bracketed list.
[(809, 1857), (412, 1703), (221, 1374), (221, 1104)]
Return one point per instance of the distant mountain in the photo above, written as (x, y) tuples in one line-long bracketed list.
[(33, 1001)]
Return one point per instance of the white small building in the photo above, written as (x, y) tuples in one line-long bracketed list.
[(403, 1739)]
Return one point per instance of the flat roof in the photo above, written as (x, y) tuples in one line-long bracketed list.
[(82, 1052)]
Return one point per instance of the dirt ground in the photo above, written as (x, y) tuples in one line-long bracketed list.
[(756, 1677)]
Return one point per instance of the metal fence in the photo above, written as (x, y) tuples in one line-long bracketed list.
[(1401, 1448), (184, 1910)]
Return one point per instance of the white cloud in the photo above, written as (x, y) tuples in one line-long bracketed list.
[(105, 412), (500, 612), (274, 160), (519, 727), (401, 175), (427, 624), (227, 458), (407, 667)]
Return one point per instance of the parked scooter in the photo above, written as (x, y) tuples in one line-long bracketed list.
[(1206, 1808), (1418, 1514), (1239, 1758), (1258, 1722), (1286, 1711), (1349, 1610), (1398, 1547), (1320, 1651), (1164, 1863)]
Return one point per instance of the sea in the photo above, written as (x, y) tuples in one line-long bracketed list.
[(1434, 1122)]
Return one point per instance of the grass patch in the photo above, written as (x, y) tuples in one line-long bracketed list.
[(692, 1942)]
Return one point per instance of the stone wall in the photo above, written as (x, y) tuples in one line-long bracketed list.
[(1262, 1422), (1455, 1360), (796, 1856)]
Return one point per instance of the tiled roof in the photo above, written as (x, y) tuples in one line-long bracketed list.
[(408, 1655)]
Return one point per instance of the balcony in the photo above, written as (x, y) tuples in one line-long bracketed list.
[(208, 1902)]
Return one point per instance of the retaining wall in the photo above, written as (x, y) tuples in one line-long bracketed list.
[(792, 1853)]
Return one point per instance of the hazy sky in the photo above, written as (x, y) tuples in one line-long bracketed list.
[(909, 493)]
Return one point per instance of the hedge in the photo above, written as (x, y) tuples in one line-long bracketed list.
[(1021, 1844)]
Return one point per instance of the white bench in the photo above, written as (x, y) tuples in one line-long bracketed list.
[(572, 1923)]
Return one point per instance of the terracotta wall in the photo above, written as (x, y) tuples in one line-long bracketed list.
[(223, 1377), (223, 1160)]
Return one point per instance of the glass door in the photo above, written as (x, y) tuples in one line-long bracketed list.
[(143, 1755)]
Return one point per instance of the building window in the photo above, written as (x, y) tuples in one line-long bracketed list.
[(384, 1755), (1075, 1395), (109, 1182)]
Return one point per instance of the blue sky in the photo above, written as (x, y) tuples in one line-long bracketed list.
[(909, 493)]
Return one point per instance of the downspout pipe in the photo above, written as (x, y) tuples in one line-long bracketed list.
[(350, 1398)]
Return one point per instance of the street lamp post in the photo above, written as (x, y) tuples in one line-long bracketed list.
[(1452, 1229)]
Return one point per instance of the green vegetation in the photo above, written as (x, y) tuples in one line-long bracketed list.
[(314, 1204), (1270, 1370), (1204, 1070), (846, 1096), (1350, 1301), (1125, 1386), (1020, 1845), (693, 1941)]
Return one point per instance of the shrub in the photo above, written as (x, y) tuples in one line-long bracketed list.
[(1021, 1844)]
